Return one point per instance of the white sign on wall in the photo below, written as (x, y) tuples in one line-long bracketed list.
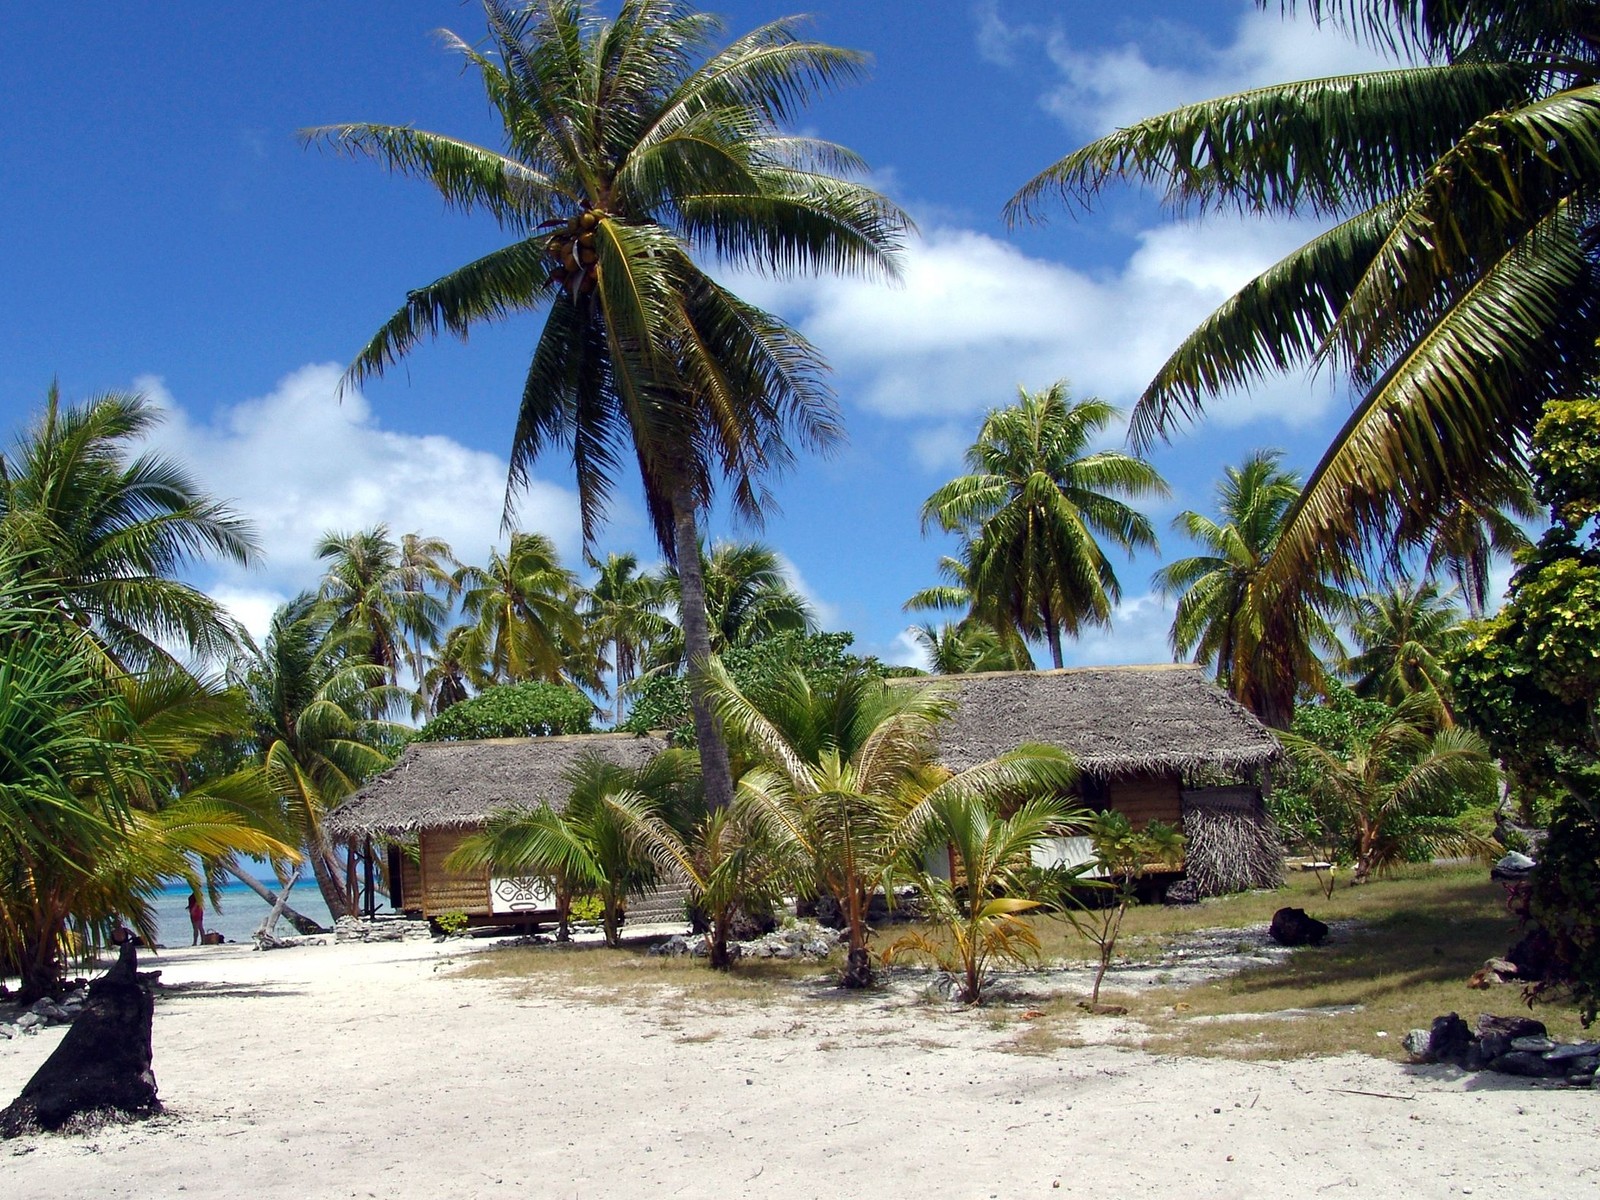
[(525, 893)]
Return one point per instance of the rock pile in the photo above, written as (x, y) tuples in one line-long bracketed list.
[(1509, 1045), (1293, 927), (353, 929), (42, 1013), (802, 940)]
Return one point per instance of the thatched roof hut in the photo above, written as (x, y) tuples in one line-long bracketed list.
[(452, 785), (439, 792), (1115, 721)]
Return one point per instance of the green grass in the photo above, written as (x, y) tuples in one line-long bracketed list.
[(1416, 938), (1421, 937)]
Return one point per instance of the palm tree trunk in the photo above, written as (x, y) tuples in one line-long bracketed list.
[(858, 962), (322, 868), (1052, 629), (302, 923), (715, 770)]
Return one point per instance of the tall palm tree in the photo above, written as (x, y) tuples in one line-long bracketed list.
[(374, 592), (1464, 538), (1456, 288), (454, 669), (1035, 509), (960, 648), (1264, 641), (521, 611), (848, 786), (108, 530), (748, 599), (427, 567), (624, 610), (631, 145), (1403, 635), (956, 594), (321, 711)]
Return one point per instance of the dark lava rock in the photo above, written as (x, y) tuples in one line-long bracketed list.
[(1450, 1041), (103, 1062), (1292, 927), (1184, 891), (1526, 1063), (1496, 1034)]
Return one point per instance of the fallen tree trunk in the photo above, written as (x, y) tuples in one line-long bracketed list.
[(102, 1065), (302, 923)]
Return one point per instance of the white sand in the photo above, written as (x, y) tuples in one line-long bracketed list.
[(368, 1070)]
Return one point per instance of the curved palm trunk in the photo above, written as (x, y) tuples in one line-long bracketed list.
[(302, 923), (1052, 629), (714, 767), (333, 893)]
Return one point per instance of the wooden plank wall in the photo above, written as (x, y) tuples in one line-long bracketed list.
[(1146, 798), (448, 891)]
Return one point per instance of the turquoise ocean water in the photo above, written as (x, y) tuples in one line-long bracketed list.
[(241, 911)]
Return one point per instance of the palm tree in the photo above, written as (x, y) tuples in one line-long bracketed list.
[(963, 647), (1456, 289), (108, 530), (980, 908), (955, 594), (373, 592), (1404, 635), (848, 787), (1035, 507), (748, 599), (589, 846), (624, 610), (1470, 531), (520, 611), (631, 145), (1264, 640), (453, 670), (94, 808), (427, 567), (320, 711), (1400, 786)]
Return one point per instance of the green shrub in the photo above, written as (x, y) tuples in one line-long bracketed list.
[(513, 710), (452, 923), (586, 908)]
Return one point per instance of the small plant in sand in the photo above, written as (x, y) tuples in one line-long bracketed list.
[(1122, 857), (980, 909), (452, 923)]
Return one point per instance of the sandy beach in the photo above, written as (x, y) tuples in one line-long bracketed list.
[(373, 1070)]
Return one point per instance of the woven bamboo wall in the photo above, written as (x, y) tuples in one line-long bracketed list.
[(1146, 798), (448, 891)]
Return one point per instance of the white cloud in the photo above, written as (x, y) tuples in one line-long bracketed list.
[(298, 462), (829, 615), (975, 317), (1138, 634), (1106, 88), (907, 651)]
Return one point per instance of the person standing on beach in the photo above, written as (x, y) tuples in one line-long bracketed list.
[(197, 918)]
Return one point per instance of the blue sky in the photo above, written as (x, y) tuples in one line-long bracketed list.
[(162, 230)]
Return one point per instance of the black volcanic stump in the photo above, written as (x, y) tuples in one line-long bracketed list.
[(103, 1063)]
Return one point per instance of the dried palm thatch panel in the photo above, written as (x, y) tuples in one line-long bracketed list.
[(1231, 843), (438, 792), (442, 785)]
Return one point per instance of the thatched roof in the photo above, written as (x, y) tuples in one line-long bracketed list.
[(1113, 720), (442, 784)]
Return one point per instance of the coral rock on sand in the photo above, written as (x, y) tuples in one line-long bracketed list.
[(102, 1064)]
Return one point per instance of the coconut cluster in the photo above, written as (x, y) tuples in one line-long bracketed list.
[(571, 247)]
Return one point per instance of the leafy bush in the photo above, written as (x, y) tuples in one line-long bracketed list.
[(513, 710), (586, 908), (1529, 680), (662, 701), (451, 924)]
